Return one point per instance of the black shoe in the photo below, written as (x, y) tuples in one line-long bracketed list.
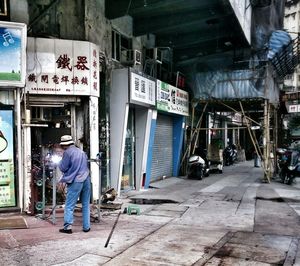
[(86, 230), (66, 231)]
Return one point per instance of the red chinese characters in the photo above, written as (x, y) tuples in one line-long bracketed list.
[(63, 62)]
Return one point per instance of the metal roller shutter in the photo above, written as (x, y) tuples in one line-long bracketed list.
[(162, 157)]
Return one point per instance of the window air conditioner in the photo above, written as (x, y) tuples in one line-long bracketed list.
[(132, 57), (155, 54)]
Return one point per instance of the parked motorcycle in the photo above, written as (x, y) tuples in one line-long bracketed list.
[(288, 162), (230, 154), (198, 167)]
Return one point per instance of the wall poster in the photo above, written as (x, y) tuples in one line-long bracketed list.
[(7, 176), (13, 54)]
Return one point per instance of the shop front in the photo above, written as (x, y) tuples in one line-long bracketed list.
[(167, 130), (62, 92), (132, 103), (12, 81)]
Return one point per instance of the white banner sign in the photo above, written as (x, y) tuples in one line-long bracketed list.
[(62, 67), (142, 89), (294, 108)]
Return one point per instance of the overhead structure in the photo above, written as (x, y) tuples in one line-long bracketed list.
[(221, 47), (193, 29)]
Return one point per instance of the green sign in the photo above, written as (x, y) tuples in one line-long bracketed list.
[(171, 99)]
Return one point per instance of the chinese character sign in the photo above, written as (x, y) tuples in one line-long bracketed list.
[(142, 89), (171, 99), (7, 178), (62, 67), (163, 96), (12, 53)]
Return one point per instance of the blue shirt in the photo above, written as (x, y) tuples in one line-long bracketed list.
[(74, 165)]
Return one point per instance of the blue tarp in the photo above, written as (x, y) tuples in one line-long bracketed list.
[(278, 41), (227, 85)]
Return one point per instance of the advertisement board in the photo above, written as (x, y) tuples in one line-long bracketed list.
[(13, 54), (142, 89), (7, 177), (294, 108), (171, 99), (62, 67)]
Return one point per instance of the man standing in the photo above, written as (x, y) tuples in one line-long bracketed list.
[(76, 174)]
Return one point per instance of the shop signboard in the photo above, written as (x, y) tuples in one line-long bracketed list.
[(142, 89), (62, 67), (171, 99), (7, 177), (294, 108), (13, 54)]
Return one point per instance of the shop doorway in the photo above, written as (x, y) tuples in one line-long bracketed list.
[(53, 122), (128, 172)]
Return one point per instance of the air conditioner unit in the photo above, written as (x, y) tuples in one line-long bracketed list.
[(132, 57), (155, 54)]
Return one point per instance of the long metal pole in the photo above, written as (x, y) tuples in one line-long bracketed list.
[(44, 190), (112, 230), (54, 196), (99, 190)]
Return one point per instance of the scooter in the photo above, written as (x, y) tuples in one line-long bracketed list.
[(197, 167), (230, 154), (289, 166)]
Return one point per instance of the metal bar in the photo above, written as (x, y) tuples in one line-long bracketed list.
[(112, 230), (35, 125), (44, 190), (54, 196), (221, 128), (99, 190)]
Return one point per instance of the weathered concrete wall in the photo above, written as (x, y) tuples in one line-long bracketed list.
[(19, 11), (97, 27), (64, 20), (70, 16)]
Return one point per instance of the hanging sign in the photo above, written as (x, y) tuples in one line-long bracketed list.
[(62, 67), (294, 108), (7, 177), (171, 99), (13, 54), (142, 89)]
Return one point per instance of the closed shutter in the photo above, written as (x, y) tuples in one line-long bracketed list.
[(162, 156)]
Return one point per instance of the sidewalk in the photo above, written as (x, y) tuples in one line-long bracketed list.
[(225, 219)]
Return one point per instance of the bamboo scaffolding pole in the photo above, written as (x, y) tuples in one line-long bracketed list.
[(267, 140), (258, 152), (198, 124), (197, 135), (234, 110), (221, 128)]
